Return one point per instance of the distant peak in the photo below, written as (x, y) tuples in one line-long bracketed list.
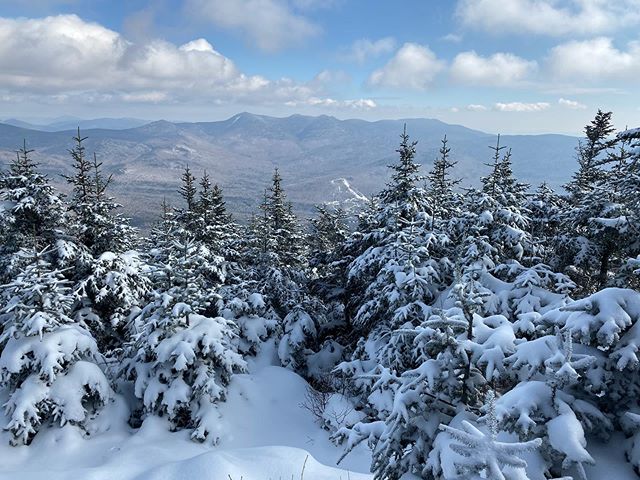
[(159, 123), (245, 115)]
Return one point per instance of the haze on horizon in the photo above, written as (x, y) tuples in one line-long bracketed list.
[(510, 66)]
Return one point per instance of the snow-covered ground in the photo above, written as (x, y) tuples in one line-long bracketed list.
[(265, 434)]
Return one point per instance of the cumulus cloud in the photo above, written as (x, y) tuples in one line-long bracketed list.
[(549, 17), (474, 107), (595, 59), (66, 53), (270, 24), (521, 107), (64, 58), (500, 69), (364, 49), (57, 52), (571, 104), (413, 67)]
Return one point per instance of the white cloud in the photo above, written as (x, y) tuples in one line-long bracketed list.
[(271, 24), (145, 97), (500, 69), (595, 59), (549, 17), (571, 104), (413, 66), (57, 51), (66, 59), (474, 107), (452, 37), (521, 107), (359, 104), (364, 49), (65, 53)]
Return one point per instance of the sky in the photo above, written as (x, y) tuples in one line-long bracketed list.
[(501, 66)]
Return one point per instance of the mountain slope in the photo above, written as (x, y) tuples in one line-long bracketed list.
[(311, 152)]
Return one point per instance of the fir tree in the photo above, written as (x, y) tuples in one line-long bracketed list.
[(545, 207), (189, 215), (188, 190), (402, 264), (480, 455), (96, 223), (594, 218), (329, 232), (182, 355), (287, 237), (215, 227), (48, 362), (441, 190), (404, 192), (32, 209)]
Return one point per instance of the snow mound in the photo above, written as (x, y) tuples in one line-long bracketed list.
[(265, 433), (250, 463)]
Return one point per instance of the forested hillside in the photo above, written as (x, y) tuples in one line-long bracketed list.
[(242, 151), (457, 331)]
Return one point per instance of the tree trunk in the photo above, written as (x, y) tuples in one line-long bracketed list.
[(604, 267)]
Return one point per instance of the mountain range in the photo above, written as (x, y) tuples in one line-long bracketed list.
[(320, 158)]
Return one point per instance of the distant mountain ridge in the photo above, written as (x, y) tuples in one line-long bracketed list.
[(71, 123), (320, 158)]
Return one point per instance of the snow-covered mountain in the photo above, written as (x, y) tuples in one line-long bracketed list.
[(320, 158)]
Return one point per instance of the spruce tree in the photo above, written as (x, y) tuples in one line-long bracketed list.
[(545, 207), (181, 354), (188, 191), (96, 223), (441, 187), (404, 192), (329, 231), (48, 362), (402, 264), (32, 209), (594, 217), (287, 236), (215, 227)]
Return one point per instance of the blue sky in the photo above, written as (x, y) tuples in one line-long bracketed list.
[(511, 66)]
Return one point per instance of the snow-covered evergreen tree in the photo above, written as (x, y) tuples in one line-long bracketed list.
[(286, 234), (31, 208), (445, 200), (96, 223), (115, 286), (545, 207), (499, 207), (595, 217), (404, 264), (214, 225), (329, 232), (275, 257), (182, 355), (472, 453), (49, 363), (182, 362)]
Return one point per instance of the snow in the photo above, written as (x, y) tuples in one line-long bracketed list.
[(265, 433), (343, 183), (46, 354), (263, 462), (567, 436), (609, 312)]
